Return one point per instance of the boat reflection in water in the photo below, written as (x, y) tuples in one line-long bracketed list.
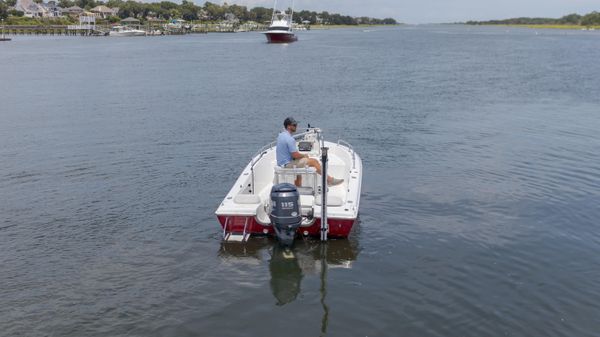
[(289, 266), (286, 275)]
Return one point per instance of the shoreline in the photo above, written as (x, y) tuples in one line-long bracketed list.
[(325, 27), (103, 29), (543, 26)]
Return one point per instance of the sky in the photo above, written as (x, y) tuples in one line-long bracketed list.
[(434, 11)]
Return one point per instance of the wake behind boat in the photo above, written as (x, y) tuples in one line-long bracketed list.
[(280, 30), (265, 201)]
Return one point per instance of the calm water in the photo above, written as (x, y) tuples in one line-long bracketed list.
[(480, 191)]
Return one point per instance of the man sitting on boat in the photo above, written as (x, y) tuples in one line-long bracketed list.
[(288, 155)]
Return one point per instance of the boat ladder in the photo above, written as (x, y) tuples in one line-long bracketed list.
[(230, 235)]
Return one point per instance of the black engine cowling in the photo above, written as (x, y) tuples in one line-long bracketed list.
[(285, 212)]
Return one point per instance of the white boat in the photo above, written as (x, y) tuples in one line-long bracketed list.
[(280, 30), (248, 207), (125, 31)]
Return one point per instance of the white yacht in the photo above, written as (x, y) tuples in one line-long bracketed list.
[(281, 29)]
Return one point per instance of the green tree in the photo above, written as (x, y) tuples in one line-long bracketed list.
[(10, 3), (174, 13), (66, 3), (591, 19), (113, 19), (241, 12), (86, 4), (325, 16), (572, 19), (214, 11), (16, 13), (305, 16), (365, 20), (156, 10), (3, 10), (260, 14), (189, 11), (114, 3), (167, 5), (164, 9), (131, 9)]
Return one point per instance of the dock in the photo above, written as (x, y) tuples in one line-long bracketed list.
[(102, 30)]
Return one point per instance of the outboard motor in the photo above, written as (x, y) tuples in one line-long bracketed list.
[(285, 212)]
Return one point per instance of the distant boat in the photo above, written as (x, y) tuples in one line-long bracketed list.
[(126, 31), (280, 30)]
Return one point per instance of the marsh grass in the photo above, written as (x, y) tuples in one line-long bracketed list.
[(577, 27)]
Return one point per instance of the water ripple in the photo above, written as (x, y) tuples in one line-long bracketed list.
[(480, 187)]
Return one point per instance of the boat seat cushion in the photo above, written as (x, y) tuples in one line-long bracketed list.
[(332, 200), (246, 199)]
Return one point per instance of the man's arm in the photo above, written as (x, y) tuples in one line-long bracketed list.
[(294, 149), (298, 155)]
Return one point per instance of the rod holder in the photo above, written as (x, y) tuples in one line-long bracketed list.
[(324, 224)]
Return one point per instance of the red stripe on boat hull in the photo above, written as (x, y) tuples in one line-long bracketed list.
[(281, 38), (338, 228)]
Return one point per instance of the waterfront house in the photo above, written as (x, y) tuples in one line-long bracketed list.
[(53, 11), (228, 25), (203, 15), (104, 11), (74, 11), (31, 9), (231, 18)]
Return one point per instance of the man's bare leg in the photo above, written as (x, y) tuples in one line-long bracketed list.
[(312, 162)]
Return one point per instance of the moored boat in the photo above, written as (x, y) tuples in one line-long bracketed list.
[(251, 206), (280, 30), (126, 31)]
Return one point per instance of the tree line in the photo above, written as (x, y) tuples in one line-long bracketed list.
[(4, 10), (590, 19), (189, 11)]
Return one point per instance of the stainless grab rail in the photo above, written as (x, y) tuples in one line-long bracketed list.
[(343, 142), (262, 152), (259, 155)]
